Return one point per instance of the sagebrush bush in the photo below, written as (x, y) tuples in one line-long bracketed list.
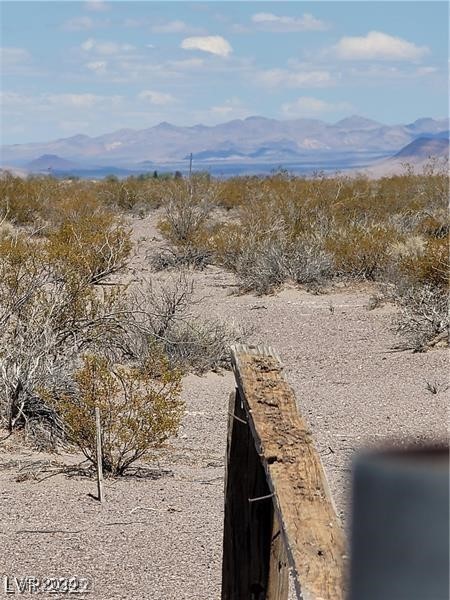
[(423, 319), (191, 342), (181, 257), (49, 313)]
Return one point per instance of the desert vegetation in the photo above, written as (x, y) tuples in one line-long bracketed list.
[(72, 334), (268, 231)]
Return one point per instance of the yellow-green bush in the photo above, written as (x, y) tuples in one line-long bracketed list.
[(431, 266), (93, 246), (139, 407), (361, 252)]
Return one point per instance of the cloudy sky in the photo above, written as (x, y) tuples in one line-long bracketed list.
[(95, 66)]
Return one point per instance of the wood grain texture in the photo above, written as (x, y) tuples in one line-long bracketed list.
[(313, 535), (278, 584)]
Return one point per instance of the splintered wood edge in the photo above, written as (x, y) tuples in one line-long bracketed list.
[(242, 351), (260, 350)]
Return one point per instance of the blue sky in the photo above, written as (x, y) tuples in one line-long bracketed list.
[(95, 66)]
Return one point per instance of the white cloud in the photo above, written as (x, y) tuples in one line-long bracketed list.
[(97, 66), (160, 26), (306, 106), (50, 101), (170, 27), (88, 45), (105, 48), (10, 56), (230, 107), (75, 100), (426, 71), (96, 5), (73, 126), (79, 24), (379, 72), (186, 64), (294, 79), (214, 44), (157, 98), (271, 22), (378, 45), (13, 99)]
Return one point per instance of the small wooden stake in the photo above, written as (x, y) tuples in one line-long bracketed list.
[(98, 437)]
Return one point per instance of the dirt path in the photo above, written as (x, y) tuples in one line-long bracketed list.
[(159, 536)]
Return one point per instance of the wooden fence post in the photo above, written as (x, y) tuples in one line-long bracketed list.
[(252, 567), (98, 439), (278, 508)]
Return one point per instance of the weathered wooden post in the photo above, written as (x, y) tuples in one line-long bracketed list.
[(278, 512), (98, 439), (252, 535)]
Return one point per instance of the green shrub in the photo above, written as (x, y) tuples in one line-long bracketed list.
[(139, 407), (361, 252)]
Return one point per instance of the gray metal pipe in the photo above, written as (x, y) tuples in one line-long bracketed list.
[(400, 525)]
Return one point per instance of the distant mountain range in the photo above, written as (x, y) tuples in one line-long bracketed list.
[(416, 154), (252, 145)]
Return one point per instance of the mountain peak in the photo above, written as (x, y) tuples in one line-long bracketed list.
[(424, 147), (357, 122), (164, 125), (256, 118), (48, 162)]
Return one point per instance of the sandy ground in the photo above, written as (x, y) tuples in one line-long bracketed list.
[(159, 534)]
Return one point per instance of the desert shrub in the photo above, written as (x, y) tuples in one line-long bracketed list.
[(167, 314), (262, 265), (268, 264), (183, 221), (75, 201), (138, 195), (235, 191), (140, 408), (434, 223), (361, 252), (188, 206), (423, 318), (42, 202), (21, 199), (50, 312), (431, 266), (201, 345), (181, 257), (420, 285), (310, 262), (264, 260), (93, 247)]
